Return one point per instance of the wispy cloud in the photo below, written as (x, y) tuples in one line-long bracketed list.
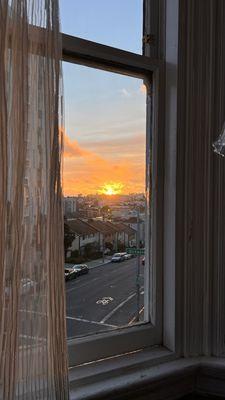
[(125, 93)]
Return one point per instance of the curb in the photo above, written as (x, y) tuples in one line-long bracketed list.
[(100, 265)]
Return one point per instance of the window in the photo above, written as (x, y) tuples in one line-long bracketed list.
[(103, 22), (90, 60)]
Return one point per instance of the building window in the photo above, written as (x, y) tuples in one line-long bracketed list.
[(111, 116)]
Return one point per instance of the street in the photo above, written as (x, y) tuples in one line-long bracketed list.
[(103, 299)]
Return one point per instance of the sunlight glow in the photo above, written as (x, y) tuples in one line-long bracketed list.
[(111, 188)]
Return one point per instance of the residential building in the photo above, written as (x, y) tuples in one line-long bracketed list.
[(133, 223), (126, 235), (70, 205), (85, 234)]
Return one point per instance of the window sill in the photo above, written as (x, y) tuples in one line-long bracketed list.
[(157, 372), (104, 378)]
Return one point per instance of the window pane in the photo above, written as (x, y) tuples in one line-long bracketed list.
[(114, 23), (104, 187)]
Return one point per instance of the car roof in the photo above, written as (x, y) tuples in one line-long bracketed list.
[(67, 265)]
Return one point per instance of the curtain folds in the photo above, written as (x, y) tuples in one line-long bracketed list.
[(33, 350)]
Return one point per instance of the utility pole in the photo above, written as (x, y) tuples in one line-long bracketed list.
[(138, 265), (103, 243), (103, 249)]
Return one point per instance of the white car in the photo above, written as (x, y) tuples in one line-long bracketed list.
[(128, 256), (118, 257), (27, 286)]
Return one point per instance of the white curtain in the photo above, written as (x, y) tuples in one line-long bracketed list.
[(33, 351)]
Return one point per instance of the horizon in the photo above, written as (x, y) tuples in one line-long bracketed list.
[(103, 195)]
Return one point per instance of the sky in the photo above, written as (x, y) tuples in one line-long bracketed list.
[(105, 118)]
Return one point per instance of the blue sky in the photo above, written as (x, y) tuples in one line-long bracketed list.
[(116, 23), (104, 112)]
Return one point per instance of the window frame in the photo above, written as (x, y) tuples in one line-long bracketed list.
[(107, 344)]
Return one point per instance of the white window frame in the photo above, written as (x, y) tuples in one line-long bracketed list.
[(107, 344)]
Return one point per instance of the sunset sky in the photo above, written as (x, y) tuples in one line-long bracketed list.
[(104, 112)]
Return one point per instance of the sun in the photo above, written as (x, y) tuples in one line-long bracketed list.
[(111, 188)]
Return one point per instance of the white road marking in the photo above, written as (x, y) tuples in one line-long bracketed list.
[(110, 314), (134, 318), (81, 286), (33, 338), (33, 312), (104, 301), (91, 322)]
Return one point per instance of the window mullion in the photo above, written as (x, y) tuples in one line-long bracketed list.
[(80, 51)]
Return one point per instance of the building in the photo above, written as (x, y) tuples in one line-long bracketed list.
[(126, 235), (107, 231), (85, 235), (132, 222), (70, 205)]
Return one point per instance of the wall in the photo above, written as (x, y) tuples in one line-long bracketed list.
[(200, 225), (82, 242)]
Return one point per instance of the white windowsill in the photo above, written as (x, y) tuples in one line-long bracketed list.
[(155, 371), (100, 378)]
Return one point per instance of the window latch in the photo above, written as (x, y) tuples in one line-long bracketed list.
[(149, 39)]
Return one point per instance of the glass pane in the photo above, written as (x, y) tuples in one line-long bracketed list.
[(104, 187), (114, 23)]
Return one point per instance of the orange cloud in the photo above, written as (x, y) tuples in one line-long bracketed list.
[(72, 148), (85, 171), (143, 88)]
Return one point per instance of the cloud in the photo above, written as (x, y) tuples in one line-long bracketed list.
[(72, 148), (125, 93), (85, 176), (85, 170), (143, 89)]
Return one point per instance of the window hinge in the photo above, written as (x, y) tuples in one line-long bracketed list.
[(149, 39)]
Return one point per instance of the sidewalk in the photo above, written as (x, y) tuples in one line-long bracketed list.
[(98, 263)]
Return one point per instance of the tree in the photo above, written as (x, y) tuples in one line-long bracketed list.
[(69, 236), (105, 211)]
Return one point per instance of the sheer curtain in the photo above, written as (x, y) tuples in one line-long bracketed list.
[(33, 351)]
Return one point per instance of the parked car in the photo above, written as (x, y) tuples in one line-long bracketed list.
[(68, 274), (118, 257), (143, 261), (27, 286), (81, 269), (128, 256)]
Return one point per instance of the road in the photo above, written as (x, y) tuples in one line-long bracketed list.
[(103, 299)]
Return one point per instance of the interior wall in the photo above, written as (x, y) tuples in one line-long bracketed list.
[(200, 225)]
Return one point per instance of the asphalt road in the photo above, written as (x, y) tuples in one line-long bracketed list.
[(104, 299)]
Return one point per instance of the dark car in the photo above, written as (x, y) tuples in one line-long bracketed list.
[(69, 272), (81, 269)]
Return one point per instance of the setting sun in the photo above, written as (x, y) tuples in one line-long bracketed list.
[(111, 188)]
